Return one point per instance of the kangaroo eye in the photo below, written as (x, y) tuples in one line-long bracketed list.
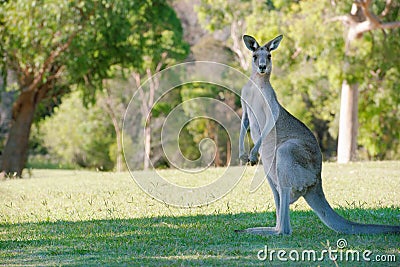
[(269, 56), (254, 57)]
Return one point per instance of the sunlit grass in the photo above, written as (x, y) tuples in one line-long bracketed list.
[(80, 217)]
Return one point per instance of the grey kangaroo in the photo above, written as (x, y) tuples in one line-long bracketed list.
[(289, 151)]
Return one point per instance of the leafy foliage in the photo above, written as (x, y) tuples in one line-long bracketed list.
[(309, 68), (101, 34), (84, 45), (52, 46), (78, 136)]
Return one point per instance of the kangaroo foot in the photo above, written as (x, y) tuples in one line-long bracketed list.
[(263, 231)]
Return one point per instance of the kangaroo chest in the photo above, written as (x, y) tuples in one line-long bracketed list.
[(262, 109)]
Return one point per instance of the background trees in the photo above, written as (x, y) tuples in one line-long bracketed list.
[(79, 136), (52, 48), (361, 20), (317, 61)]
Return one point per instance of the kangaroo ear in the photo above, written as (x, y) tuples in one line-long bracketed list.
[(273, 44), (250, 43)]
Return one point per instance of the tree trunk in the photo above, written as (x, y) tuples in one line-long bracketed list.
[(228, 152), (360, 21), (117, 130), (109, 105), (119, 151), (147, 145), (15, 152), (237, 29), (216, 140), (348, 124)]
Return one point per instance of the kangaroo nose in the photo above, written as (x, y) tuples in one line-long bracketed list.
[(262, 68)]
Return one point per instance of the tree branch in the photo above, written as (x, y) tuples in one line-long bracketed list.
[(52, 57), (365, 7), (152, 88), (390, 25), (363, 20), (45, 88), (236, 35), (345, 19), (57, 74), (158, 68), (109, 104), (144, 108), (387, 8)]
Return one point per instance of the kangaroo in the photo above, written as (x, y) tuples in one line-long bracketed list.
[(293, 165)]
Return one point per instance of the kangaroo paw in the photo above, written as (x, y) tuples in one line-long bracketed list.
[(253, 157), (244, 158), (253, 160)]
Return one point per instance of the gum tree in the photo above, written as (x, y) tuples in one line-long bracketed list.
[(56, 44), (361, 21)]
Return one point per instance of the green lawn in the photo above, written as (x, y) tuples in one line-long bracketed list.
[(71, 217)]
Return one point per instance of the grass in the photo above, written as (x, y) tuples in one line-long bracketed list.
[(66, 217)]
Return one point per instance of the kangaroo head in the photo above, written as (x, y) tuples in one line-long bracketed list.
[(262, 54)]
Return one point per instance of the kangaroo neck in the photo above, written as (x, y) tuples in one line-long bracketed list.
[(260, 79), (263, 83)]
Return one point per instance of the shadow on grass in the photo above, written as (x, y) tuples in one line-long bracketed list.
[(194, 240)]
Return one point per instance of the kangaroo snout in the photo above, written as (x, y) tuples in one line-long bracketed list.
[(262, 68)]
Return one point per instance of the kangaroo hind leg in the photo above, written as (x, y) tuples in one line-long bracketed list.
[(282, 220)]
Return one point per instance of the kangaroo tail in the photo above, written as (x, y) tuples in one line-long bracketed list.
[(316, 199)]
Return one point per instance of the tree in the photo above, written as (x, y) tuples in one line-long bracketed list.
[(115, 108), (360, 21), (51, 45), (148, 99)]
